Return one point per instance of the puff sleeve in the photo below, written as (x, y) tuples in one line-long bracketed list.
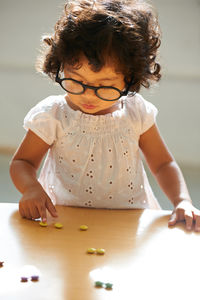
[(142, 112), (42, 120)]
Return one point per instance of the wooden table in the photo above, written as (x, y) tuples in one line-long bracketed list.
[(144, 258)]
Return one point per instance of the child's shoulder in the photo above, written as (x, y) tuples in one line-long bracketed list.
[(50, 107), (52, 102), (136, 103), (140, 111)]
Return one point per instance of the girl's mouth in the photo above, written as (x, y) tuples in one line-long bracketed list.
[(88, 106)]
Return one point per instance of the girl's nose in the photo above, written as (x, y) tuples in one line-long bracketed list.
[(90, 92)]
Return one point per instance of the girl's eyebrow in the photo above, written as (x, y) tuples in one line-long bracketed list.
[(101, 79)]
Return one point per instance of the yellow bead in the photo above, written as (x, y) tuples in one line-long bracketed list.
[(43, 224), (100, 251), (91, 250), (58, 225), (83, 227)]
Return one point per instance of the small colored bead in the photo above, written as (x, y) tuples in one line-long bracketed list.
[(108, 285), (58, 225), (1, 263), (83, 227), (98, 284), (91, 250), (100, 251), (43, 224), (24, 279), (34, 278)]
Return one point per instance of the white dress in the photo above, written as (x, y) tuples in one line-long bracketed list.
[(94, 160)]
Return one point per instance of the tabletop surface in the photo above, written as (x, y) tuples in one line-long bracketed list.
[(143, 258)]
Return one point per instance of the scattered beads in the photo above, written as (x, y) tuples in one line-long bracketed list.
[(56, 225), (99, 251), (33, 278), (107, 285)]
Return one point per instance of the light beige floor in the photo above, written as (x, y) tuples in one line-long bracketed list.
[(8, 193)]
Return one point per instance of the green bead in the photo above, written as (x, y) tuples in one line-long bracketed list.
[(98, 283), (108, 285)]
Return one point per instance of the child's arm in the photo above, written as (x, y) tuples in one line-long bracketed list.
[(169, 177), (23, 171)]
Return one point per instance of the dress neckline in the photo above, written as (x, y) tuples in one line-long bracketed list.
[(109, 115)]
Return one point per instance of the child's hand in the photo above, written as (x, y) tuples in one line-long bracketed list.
[(185, 211), (34, 203)]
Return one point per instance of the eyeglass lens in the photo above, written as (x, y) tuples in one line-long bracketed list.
[(102, 92)]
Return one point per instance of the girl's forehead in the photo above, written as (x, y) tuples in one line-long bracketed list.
[(84, 69)]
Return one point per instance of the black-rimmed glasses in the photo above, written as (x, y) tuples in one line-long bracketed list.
[(106, 93)]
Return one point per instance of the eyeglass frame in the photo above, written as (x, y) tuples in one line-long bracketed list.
[(85, 86)]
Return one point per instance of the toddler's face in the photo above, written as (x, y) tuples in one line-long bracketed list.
[(88, 102)]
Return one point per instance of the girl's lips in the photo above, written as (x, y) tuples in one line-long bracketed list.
[(88, 106)]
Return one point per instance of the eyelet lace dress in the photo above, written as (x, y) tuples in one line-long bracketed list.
[(94, 160)]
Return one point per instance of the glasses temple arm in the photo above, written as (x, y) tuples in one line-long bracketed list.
[(57, 77), (128, 86)]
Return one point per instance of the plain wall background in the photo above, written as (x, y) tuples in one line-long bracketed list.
[(177, 96)]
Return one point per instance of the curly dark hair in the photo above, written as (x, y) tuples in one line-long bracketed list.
[(124, 30)]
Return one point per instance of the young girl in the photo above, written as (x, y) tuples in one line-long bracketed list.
[(101, 53)]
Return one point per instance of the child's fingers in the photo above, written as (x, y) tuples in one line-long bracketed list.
[(173, 219), (24, 211), (188, 219), (28, 214), (34, 212), (42, 212), (51, 208), (21, 211), (196, 216)]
